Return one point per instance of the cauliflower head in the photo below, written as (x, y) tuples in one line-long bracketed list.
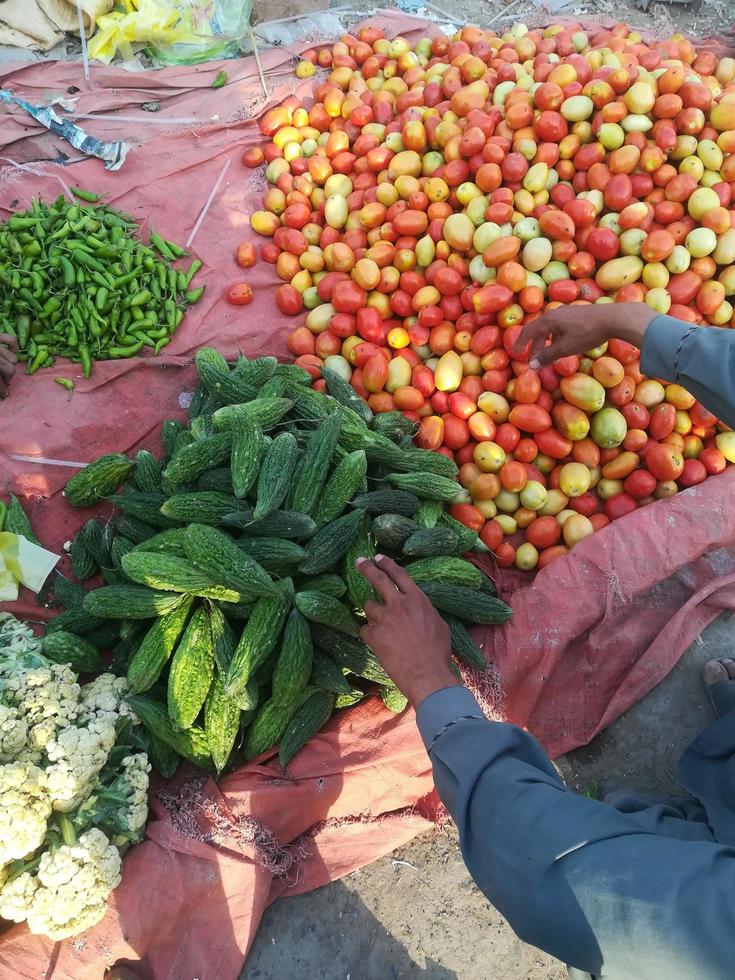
[(104, 698), (16, 896), (25, 806), (74, 883), (76, 757), (134, 783), (48, 699), (13, 733)]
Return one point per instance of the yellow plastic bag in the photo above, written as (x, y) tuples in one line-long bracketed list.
[(173, 31), (141, 21), (24, 563)]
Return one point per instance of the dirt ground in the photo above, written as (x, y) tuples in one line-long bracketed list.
[(417, 913)]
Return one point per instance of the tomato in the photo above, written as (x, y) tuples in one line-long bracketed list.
[(492, 535), (694, 472), (468, 515), (240, 294), (246, 255), (619, 505), (544, 532), (665, 462), (640, 484)]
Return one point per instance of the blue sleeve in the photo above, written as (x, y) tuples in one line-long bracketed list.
[(572, 875), (702, 359)]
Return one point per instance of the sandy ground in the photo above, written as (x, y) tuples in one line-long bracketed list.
[(417, 913)]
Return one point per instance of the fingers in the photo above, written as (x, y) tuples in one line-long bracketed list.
[(8, 340), (535, 331), (374, 611), (381, 582), (3, 388), (8, 361), (400, 576)]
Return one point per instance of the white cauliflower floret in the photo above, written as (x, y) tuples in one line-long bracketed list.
[(25, 806), (13, 733), (135, 778), (16, 895), (74, 883), (76, 757), (104, 697), (48, 699)]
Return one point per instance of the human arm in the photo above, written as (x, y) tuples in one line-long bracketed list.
[(8, 361), (573, 876), (700, 359)]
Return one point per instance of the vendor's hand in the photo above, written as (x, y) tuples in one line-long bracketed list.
[(406, 633), (576, 329), (8, 361)]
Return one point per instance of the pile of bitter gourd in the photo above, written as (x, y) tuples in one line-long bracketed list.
[(232, 602)]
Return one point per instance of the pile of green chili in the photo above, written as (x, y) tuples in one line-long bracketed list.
[(76, 282)]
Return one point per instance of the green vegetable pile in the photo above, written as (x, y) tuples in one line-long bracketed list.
[(73, 787), (232, 603), (76, 282)]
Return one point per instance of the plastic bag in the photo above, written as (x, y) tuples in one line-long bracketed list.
[(173, 32)]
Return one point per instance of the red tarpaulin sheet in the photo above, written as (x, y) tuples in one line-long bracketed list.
[(590, 635)]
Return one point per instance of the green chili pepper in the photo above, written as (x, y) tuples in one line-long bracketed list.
[(32, 248), (3, 512), (85, 195), (51, 305), (19, 222), (160, 344), (220, 80), (38, 360), (86, 361), (160, 245), (68, 271), (101, 298), (177, 250), (181, 284), (194, 295), (141, 298), (66, 383), (87, 260), (125, 351)]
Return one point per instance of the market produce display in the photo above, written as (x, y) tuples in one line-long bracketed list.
[(433, 199), (233, 604), (73, 786), (77, 282)]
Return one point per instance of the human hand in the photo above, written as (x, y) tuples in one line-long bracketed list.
[(406, 633), (8, 361), (576, 329)]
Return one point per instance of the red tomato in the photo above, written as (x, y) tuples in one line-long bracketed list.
[(543, 532), (492, 535), (468, 515), (288, 300), (246, 255), (665, 462), (694, 472), (619, 505), (240, 294), (640, 484)]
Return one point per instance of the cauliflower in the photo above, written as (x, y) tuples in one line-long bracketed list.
[(16, 896), (73, 885), (76, 757), (135, 774), (67, 770), (25, 806), (104, 697), (48, 699), (13, 733)]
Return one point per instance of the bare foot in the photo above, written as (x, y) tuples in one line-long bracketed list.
[(719, 679)]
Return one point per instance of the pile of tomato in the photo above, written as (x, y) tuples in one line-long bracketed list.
[(428, 201)]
